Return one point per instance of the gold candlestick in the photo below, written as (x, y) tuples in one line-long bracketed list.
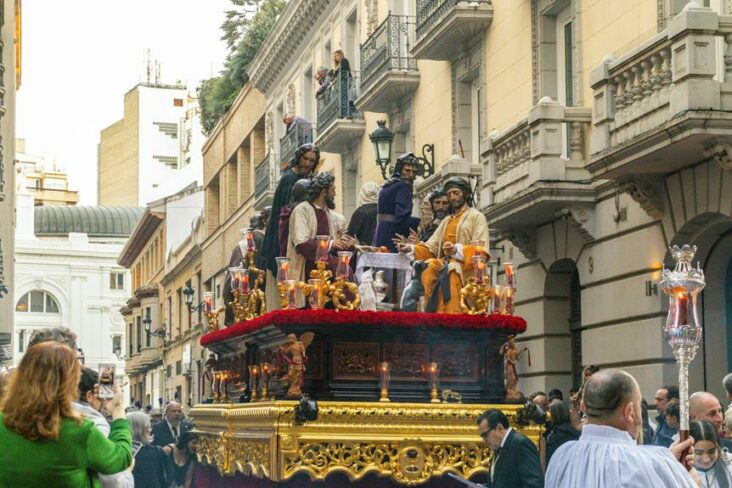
[(253, 381), (384, 377)]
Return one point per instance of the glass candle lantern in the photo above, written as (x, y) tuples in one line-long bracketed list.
[(314, 296), (479, 268), (507, 300), (208, 301), (344, 259), (510, 276), (251, 247), (321, 253), (283, 269), (236, 276), (384, 378), (253, 380), (498, 299), (244, 288), (291, 290)]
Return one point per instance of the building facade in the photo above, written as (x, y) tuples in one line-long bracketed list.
[(48, 183), (153, 326), (231, 155), (66, 275), (588, 128), (154, 150), (10, 63)]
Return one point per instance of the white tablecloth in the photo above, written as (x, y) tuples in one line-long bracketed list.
[(382, 260)]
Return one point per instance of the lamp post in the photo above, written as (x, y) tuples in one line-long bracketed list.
[(382, 138), (188, 293)]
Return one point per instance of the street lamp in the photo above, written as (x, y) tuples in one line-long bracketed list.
[(382, 138), (188, 293)]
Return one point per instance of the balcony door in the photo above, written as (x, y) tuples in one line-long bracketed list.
[(565, 78)]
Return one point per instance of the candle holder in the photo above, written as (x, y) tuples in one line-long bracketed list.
[(215, 386), (253, 381), (224, 393), (343, 293), (323, 248), (249, 237), (683, 329), (384, 378), (509, 289), (313, 290), (432, 371), (498, 303), (291, 294), (266, 370), (283, 271), (212, 315), (256, 302), (475, 296)]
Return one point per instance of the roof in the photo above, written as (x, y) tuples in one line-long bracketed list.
[(98, 221)]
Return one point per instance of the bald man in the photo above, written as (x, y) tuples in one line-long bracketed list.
[(705, 406), (607, 453)]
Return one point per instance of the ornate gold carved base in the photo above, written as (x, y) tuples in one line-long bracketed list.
[(407, 442)]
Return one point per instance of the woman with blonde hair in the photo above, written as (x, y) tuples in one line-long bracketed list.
[(44, 443)]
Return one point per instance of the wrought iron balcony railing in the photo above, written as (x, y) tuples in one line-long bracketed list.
[(265, 177), (337, 101), (301, 133), (430, 12), (387, 49)]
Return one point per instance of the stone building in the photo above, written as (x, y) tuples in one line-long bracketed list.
[(10, 73)]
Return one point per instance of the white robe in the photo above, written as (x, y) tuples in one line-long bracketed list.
[(303, 227), (605, 457)]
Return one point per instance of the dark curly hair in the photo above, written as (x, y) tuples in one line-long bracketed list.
[(318, 183)]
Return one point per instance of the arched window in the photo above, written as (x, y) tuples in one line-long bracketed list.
[(37, 301)]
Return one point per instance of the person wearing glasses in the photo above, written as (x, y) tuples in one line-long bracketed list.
[(515, 460), (303, 165)]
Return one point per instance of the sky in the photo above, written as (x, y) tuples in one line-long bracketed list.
[(80, 57)]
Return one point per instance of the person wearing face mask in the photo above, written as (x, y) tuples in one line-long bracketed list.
[(711, 463), (607, 454)]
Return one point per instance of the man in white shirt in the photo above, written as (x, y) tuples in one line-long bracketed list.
[(607, 454)]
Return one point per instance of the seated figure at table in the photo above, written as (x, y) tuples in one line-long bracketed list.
[(450, 250), (314, 217), (394, 205)]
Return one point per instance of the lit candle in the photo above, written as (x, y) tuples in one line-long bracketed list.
[(344, 258), (321, 253), (208, 299), (235, 278), (510, 276), (314, 296), (682, 309), (508, 304), (498, 299), (251, 247), (291, 287), (245, 282), (283, 267), (479, 265), (384, 369)]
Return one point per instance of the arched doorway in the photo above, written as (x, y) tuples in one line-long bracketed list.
[(563, 321), (712, 234)]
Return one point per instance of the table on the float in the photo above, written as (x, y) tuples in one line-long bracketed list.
[(401, 263)]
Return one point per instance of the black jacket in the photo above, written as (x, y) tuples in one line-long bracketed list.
[(559, 436), (162, 436), (517, 465)]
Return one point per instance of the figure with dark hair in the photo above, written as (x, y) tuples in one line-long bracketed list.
[(607, 454), (394, 205), (515, 461), (297, 196), (664, 433), (727, 383), (62, 335), (342, 70), (315, 217), (237, 259), (183, 458), (440, 206), (307, 158), (647, 429), (540, 399), (555, 394), (712, 463), (562, 429), (450, 250)]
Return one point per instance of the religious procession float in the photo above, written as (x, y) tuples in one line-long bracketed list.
[(351, 389)]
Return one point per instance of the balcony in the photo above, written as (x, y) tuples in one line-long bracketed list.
[(266, 175), (665, 105), (535, 169), (388, 71), (300, 134), (445, 26), (340, 125)]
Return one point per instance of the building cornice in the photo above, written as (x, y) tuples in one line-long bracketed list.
[(147, 291), (295, 23), (190, 259), (139, 238)]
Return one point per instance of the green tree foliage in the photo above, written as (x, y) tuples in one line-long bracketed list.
[(244, 29)]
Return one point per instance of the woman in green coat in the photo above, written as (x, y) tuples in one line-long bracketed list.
[(42, 441)]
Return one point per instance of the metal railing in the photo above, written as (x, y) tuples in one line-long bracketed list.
[(337, 101), (301, 133), (430, 12), (265, 177), (387, 49)]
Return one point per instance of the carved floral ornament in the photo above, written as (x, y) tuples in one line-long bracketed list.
[(581, 218)]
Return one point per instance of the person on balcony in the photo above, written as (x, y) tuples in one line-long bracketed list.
[(324, 79), (300, 126), (316, 216), (303, 165), (342, 69), (394, 206), (450, 250)]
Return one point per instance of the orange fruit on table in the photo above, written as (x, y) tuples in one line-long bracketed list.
[(383, 249)]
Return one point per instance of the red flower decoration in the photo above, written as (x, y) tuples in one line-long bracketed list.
[(506, 323)]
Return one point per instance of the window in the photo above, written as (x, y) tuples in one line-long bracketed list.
[(117, 344), (37, 301), (178, 368), (147, 331), (21, 340), (129, 341), (169, 371), (177, 102), (116, 281), (139, 333)]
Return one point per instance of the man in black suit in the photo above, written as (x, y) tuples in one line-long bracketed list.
[(515, 462), (168, 431)]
